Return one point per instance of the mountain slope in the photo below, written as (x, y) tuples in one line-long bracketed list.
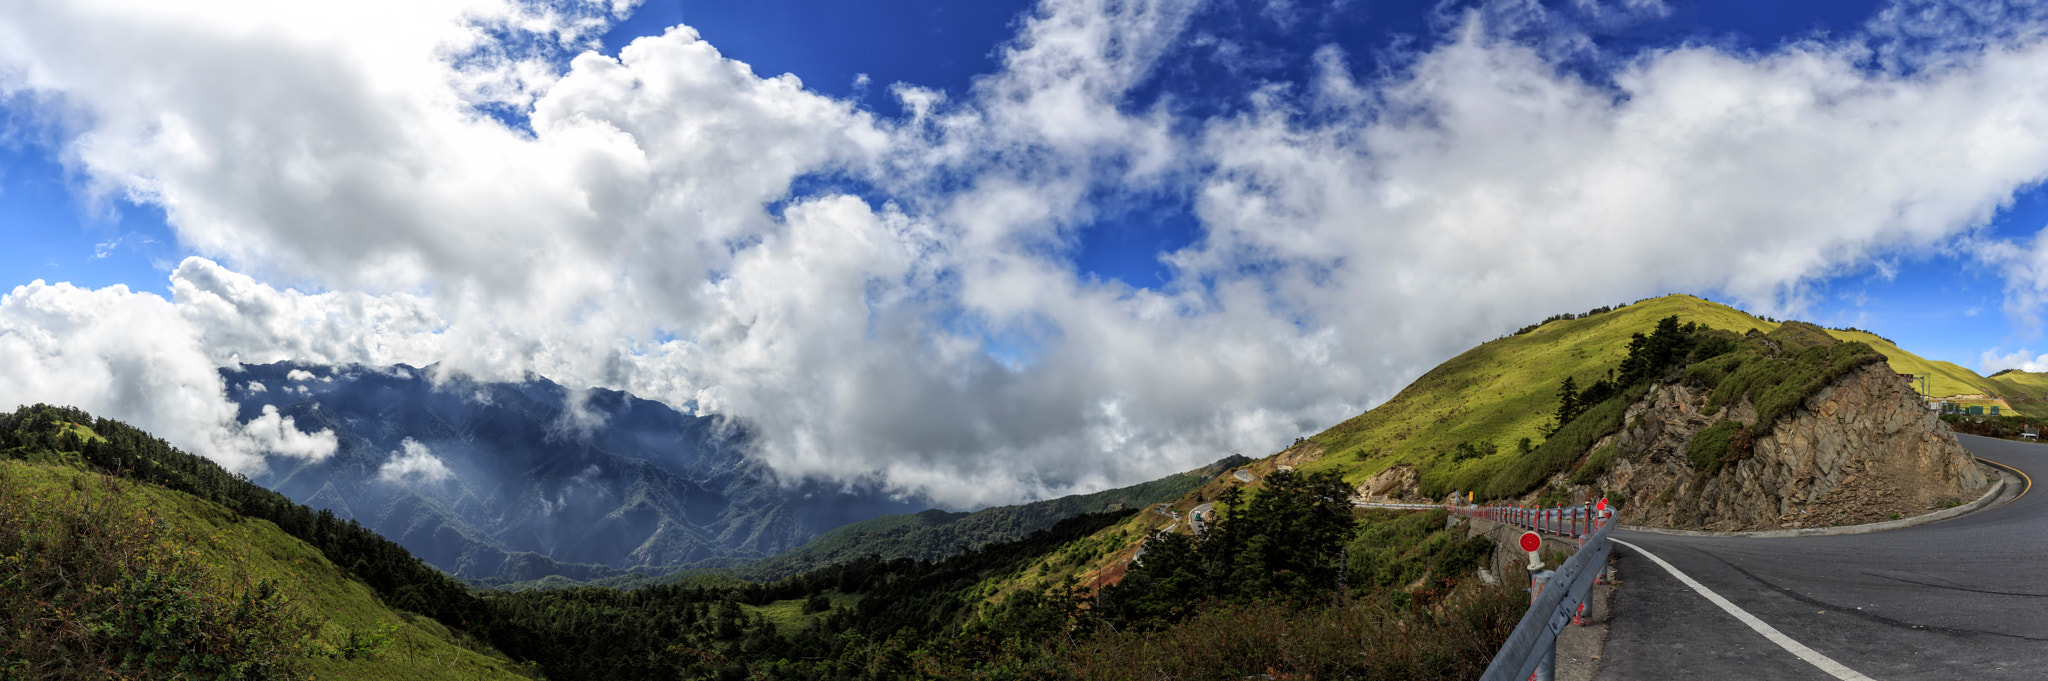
[(524, 480), (2025, 390), (1463, 423), (934, 534), (2015, 390), (1498, 392), (354, 634)]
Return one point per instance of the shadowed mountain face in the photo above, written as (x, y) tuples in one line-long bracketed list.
[(523, 480)]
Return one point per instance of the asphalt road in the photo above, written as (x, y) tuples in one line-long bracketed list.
[(1199, 519), (1965, 598)]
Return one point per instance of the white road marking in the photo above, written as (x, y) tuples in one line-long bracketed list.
[(1824, 662)]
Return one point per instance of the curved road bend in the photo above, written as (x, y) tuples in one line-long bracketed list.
[(1960, 599)]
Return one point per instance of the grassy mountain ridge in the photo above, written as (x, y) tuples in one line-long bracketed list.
[(2020, 390), (351, 634), (1502, 390)]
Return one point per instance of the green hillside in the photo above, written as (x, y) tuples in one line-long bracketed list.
[(1504, 390), (936, 534), (344, 630), (2026, 390), (1944, 378)]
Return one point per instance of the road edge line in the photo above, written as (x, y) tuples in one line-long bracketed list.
[(1811, 656), (2027, 479)]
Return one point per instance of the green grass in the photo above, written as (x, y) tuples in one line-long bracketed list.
[(1780, 371), (1945, 378), (1709, 448), (2016, 391), (249, 549), (1596, 465), (788, 615), (1394, 549), (1499, 392)]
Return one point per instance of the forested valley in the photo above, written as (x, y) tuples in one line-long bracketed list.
[(1290, 580)]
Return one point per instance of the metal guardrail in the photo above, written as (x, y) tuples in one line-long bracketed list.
[(1556, 597)]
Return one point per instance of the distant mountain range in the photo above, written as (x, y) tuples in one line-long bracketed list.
[(518, 481), (935, 534), (928, 535)]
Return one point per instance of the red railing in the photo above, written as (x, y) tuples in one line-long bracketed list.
[(1577, 522)]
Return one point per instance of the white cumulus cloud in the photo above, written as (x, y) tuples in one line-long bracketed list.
[(133, 357), (414, 463)]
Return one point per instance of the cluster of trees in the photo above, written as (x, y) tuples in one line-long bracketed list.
[(1285, 542), (1478, 450), (2004, 426), (904, 612), (1586, 414), (1857, 330), (1567, 316), (1668, 346)]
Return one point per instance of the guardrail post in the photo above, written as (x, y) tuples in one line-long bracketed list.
[(1546, 670)]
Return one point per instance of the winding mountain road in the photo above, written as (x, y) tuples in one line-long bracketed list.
[(1965, 598)]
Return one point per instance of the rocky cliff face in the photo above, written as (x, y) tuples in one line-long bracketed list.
[(1858, 451), (1395, 485)]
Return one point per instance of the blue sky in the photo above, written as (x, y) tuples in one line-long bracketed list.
[(1026, 247), (1938, 304)]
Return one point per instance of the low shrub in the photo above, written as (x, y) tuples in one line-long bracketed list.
[(1710, 447), (1595, 466), (1524, 473), (1779, 372)]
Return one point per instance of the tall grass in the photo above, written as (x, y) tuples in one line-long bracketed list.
[(1499, 477), (1370, 638), (94, 585)]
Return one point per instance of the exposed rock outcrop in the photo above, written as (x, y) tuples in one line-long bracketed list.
[(1860, 450), (1395, 485)]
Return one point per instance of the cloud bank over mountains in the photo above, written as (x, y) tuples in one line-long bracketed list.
[(897, 297)]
